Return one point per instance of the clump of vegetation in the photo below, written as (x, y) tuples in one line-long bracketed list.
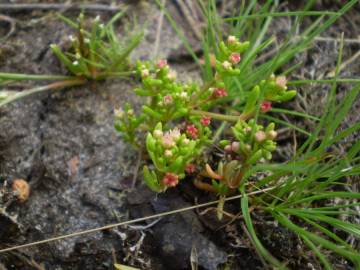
[(96, 54), (178, 116)]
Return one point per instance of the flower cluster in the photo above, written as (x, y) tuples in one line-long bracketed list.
[(169, 99), (276, 89), (171, 153), (253, 142), (230, 56), (175, 152)]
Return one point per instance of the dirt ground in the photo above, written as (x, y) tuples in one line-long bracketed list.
[(81, 173)]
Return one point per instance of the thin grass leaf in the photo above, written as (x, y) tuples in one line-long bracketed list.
[(282, 14), (254, 239), (351, 255), (317, 252)]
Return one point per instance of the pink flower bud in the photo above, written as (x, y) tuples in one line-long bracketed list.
[(170, 180), (265, 106), (168, 99), (235, 58), (235, 146), (205, 120), (190, 168), (260, 136), (192, 131), (219, 92), (161, 64)]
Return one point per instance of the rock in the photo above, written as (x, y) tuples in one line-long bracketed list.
[(174, 236)]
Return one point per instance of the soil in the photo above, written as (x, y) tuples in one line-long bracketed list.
[(81, 173)]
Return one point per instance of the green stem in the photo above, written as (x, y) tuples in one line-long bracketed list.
[(222, 117), (53, 86), (33, 77), (104, 75), (205, 87), (339, 80)]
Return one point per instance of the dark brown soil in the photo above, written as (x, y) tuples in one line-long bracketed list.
[(81, 172)]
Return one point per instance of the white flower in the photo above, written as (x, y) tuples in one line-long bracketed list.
[(260, 136), (281, 81), (183, 95), (71, 38), (272, 134), (145, 72), (172, 75), (226, 65), (119, 113), (75, 63), (158, 133), (186, 141), (231, 39), (167, 141), (175, 134), (168, 153)]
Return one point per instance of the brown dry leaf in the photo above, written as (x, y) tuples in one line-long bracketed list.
[(124, 267)]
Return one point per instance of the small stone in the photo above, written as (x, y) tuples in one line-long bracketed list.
[(21, 188)]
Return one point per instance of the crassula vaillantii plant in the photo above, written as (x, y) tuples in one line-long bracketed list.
[(177, 123)]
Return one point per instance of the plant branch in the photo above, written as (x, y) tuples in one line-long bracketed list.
[(95, 7), (222, 117), (53, 86), (33, 77)]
